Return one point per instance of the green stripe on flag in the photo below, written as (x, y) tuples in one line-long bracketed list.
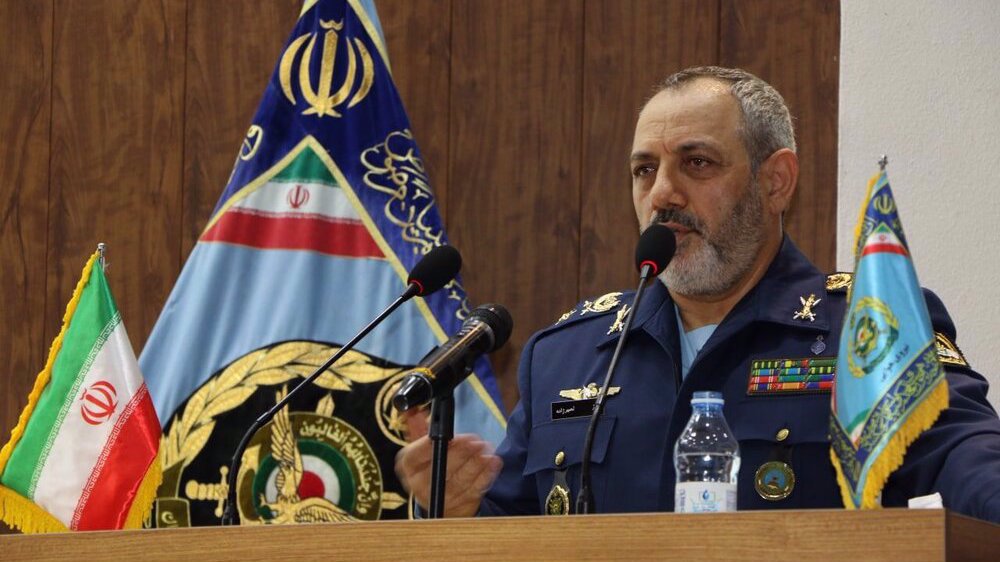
[(93, 321), (306, 168)]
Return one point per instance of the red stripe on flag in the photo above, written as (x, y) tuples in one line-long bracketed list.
[(883, 248), (326, 235), (113, 484)]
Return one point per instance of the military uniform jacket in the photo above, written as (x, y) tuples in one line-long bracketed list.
[(632, 457)]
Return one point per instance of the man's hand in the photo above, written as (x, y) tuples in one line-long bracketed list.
[(472, 467)]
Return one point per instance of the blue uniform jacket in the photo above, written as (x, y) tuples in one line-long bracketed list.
[(959, 457)]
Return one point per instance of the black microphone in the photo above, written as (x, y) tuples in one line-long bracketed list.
[(432, 272), (485, 330), (652, 254)]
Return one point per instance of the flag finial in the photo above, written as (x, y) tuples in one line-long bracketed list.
[(882, 162), (101, 246)]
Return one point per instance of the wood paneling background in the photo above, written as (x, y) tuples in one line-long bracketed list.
[(122, 119)]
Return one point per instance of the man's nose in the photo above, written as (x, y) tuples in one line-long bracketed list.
[(667, 191)]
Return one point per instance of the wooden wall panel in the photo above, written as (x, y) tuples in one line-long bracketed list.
[(523, 111), (117, 129), (418, 37), (233, 47), (515, 159), (26, 64), (795, 46), (628, 48)]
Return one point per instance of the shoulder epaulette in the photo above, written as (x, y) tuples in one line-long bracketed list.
[(600, 305), (839, 282), (948, 352)]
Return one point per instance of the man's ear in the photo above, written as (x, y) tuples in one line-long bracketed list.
[(778, 177)]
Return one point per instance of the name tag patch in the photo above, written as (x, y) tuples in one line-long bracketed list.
[(791, 376), (568, 409)]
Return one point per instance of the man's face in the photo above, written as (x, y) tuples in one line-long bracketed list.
[(691, 172)]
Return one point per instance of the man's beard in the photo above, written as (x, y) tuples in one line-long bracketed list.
[(713, 262)]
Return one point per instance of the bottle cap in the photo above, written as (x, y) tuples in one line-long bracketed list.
[(707, 397)]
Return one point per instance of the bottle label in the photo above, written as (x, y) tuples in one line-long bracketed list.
[(704, 497)]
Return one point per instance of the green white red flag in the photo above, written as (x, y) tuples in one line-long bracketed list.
[(83, 455)]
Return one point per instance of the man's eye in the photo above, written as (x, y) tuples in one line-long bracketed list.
[(641, 171), (699, 163)]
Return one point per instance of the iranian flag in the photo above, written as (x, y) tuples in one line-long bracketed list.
[(83, 455)]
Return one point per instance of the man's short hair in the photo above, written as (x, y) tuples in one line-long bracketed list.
[(767, 125)]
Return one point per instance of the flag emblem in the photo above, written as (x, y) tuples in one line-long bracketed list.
[(99, 403)]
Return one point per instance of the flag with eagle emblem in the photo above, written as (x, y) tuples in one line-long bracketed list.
[(327, 209)]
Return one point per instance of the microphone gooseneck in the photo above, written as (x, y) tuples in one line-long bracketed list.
[(431, 273), (652, 254)]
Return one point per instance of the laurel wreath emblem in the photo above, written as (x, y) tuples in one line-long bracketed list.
[(280, 364)]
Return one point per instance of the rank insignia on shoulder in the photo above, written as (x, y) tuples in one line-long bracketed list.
[(603, 303), (948, 352), (811, 375), (566, 316), (839, 282)]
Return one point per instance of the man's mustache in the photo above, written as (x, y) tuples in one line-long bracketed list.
[(676, 216)]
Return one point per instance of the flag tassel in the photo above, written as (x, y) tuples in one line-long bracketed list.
[(920, 420), (25, 516), (43, 378), (142, 505)]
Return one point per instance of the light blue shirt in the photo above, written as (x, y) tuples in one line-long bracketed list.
[(692, 342)]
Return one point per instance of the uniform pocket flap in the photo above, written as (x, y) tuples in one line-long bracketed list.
[(566, 436), (786, 419)]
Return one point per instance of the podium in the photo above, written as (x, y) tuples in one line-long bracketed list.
[(894, 535)]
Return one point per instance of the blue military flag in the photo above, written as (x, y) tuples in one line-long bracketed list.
[(327, 208), (890, 386)]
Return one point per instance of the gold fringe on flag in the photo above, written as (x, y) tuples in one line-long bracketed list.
[(142, 505), (26, 516), (43, 378), (16, 510), (891, 457)]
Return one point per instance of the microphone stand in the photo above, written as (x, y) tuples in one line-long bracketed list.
[(585, 499), (441, 431), (229, 516)]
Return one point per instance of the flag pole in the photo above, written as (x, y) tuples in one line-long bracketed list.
[(882, 162), (101, 246)]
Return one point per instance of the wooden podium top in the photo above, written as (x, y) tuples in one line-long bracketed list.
[(896, 535)]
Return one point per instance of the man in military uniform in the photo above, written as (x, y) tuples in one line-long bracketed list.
[(713, 159)]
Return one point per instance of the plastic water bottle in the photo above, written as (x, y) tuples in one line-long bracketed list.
[(706, 459)]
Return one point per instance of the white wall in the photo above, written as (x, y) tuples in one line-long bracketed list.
[(920, 82)]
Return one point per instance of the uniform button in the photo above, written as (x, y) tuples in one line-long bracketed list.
[(782, 434), (560, 458)]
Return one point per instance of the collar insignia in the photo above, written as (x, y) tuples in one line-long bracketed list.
[(619, 322), (807, 308), (587, 392)]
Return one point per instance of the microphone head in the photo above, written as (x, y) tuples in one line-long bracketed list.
[(498, 320), (655, 248), (435, 270)]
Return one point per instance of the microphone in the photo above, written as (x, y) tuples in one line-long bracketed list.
[(432, 272), (485, 330), (654, 251)]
